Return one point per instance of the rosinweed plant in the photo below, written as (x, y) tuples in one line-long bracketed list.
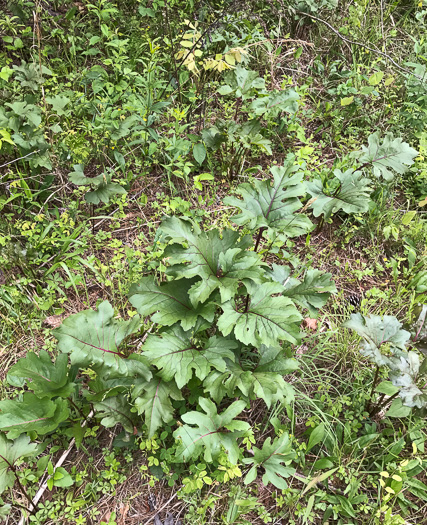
[(387, 345), (223, 317)]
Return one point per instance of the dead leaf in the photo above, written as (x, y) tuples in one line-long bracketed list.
[(311, 324), (54, 321), (123, 512), (106, 517)]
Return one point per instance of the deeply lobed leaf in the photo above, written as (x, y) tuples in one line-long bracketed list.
[(404, 366), (210, 432), (220, 262), (268, 320), (312, 293), (94, 337), (10, 452), (275, 457), (170, 301), (264, 379), (273, 205), (177, 354), (153, 399), (352, 196), (31, 414), (392, 155), (45, 378)]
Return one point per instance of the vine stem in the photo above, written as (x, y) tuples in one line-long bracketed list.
[(18, 481)]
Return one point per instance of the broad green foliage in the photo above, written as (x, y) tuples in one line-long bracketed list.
[(44, 378), (23, 120), (221, 262), (247, 84), (10, 452), (239, 136), (275, 458), (312, 293), (268, 319), (386, 345), (352, 194), (262, 378), (378, 330), (222, 317), (104, 188), (170, 301), (115, 410), (390, 155), (273, 205), (207, 433), (95, 337), (243, 83), (190, 364), (275, 103), (176, 354), (154, 400), (58, 103), (31, 414)]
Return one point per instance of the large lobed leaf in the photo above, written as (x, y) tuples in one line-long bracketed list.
[(312, 293), (352, 195), (45, 378), (273, 205), (268, 320), (378, 330), (220, 262), (263, 380), (31, 414), (209, 433), (404, 373), (104, 188), (243, 82), (94, 337), (154, 399), (273, 104), (116, 410), (170, 301), (275, 459), (391, 155), (176, 354)]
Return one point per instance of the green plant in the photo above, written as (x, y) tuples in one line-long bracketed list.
[(234, 140), (224, 315), (350, 191), (386, 346), (103, 190)]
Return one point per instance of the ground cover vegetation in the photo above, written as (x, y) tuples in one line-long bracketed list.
[(213, 278)]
